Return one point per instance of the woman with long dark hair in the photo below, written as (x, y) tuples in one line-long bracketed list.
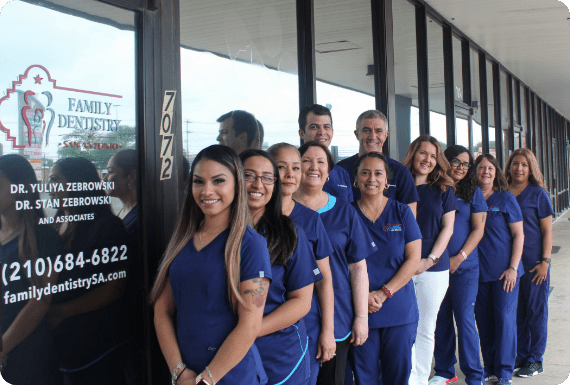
[(500, 267), (435, 216), (89, 322), (210, 289), (294, 271), (458, 302), (352, 245), (25, 351), (526, 183), (320, 320), (392, 305)]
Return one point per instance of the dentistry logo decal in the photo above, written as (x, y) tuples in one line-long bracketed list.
[(391, 227), (28, 110)]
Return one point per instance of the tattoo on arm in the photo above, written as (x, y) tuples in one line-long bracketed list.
[(258, 294)]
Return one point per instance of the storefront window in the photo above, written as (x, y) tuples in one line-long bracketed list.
[(476, 98), (491, 108), (68, 136), (437, 120)]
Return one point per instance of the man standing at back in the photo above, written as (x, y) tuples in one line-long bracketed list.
[(315, 123), (372, 131), (239, 130)]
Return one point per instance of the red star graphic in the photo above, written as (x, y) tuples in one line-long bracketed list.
[(38, 79)]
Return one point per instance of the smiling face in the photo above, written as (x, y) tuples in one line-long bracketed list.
[(372, 134), (318, 128), (520, 169), (485, 174), (314, 167), (123, 183), (425, 159), (289, 165), (213, 188), (258, 193), (456, 170), (371, 177)]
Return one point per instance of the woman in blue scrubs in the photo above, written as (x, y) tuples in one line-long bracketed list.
[(435, 216), (352, 245), (320, 320), (392, 305), (459, 302), (211, 286), (500, 253), (526, 183), (293, 269)]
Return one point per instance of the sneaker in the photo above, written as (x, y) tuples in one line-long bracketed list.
[(438, 380), (504, 381), (518, 365), (531, 369), (491, 378)]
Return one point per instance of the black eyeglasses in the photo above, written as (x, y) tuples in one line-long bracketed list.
[(265, 179), (456, 163)]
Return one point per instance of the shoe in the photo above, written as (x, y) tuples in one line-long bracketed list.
[(504, 381), (530, 369), (518, 365), (491, 378), (438, 380)]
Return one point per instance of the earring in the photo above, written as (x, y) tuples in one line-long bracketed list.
[(328, 178), (354, 184), (387, 186)]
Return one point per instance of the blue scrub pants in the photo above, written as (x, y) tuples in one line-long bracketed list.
[(459, 302), (532, 318), (495, 313), (314, 364), (386, 354)]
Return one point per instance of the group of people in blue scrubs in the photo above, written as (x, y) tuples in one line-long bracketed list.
[(272, 278)]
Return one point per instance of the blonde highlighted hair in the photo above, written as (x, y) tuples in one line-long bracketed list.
[(438, 177), (535, 176), (192, 216)]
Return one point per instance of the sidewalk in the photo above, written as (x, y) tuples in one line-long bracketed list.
[(557, 356)]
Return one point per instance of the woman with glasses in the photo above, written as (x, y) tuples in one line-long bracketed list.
[(435, 216), (211, 286), (500, 267), (461, 295), (352, 245), (283, 341), (320, 320), (527, 185)]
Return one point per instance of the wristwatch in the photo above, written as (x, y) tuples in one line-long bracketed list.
[(434, 259), (547, 260), (201, 381), (515, 268)]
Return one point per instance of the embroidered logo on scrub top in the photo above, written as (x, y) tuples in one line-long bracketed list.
[(373, 244), (316, 271), (391, 185), (391, 227), (342, 185), (261, 274), (493, 208)]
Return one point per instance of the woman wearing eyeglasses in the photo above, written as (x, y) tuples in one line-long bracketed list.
[(283, 341), (461, 295)]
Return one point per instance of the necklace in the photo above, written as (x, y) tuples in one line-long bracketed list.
[(375, 218)]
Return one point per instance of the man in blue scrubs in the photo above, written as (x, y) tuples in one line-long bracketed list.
[(372, 131), (315, 123)]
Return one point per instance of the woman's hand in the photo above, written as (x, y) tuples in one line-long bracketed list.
[(188, 377), (425, 264), (510, 277), (359, 331), (375, 300), (326, 346), (540, 273), (454, 262)]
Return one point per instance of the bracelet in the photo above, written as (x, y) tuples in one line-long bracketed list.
[(387, 291), (211, 377), (463, 253), (175, 375), (362, 315)]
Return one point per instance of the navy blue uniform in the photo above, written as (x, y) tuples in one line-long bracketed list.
[(388, 350), (401, 186), (459, 302), (495, 309), (339, 184), (310, 222), (204, 316), (532, 314)]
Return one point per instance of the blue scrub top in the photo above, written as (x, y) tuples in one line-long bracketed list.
[(462, 229), (401, 185), (339, 184), (300, 272), (310, 221), (535, 205), (204, 316), (433, 204), (351, 243), (497, 244), (395, 227)]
